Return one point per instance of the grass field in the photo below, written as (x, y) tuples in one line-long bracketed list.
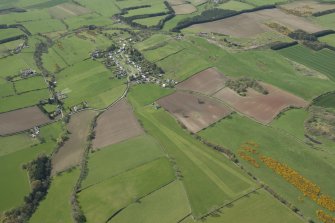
[(235, 5), (321, 61), (292, 121), (151, 21), (89, 81), (6, 89), (85, 20), (150, 93), (326, 101), (33, 15), (234, 131), (16, 185), (101, 201), (56, 207), (254, 208), (7, 33), (115, 159), (44, 26), (103, 7), (326, 21), (329, 39), (30, 84), (11, 144), (265, 2), (23, 100), (166, 205), (196, 162)]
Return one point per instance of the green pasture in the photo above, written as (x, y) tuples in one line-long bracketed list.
[(6, 89), (265, 2), (155, 7), (292, 122), (23, 100), (44, 26), (327, 101), (198, 164), (322, 61), (164, 50), (236, 130), (115, 159), (152, 42), (5, 48), (106, 8), (329, 39), (56, 207), (30, 84), (102, 200), (149, 93), (52, 61), (235, 5), (88, 19), (151, 21), (14, 18), (257, 207), (166, 205), (16, 153), (7, 33), (326, 21), (89, 81)]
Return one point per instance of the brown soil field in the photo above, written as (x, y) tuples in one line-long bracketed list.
[(207, 82), (71, 153), (22, 119), (263, 108), (194, 111), (307, 7), (254, 23), (177, 2), (184, 9), (66, 10), (116, 124)]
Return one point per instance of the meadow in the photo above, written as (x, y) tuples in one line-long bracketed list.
[(329, 39), (89, 81), (195, 162), (57, 199), (19, 150), (326, 101), (236, 130), (321, 61), (30, 84)]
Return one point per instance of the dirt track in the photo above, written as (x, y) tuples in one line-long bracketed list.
[(116, 124), (70, 154), (22, 119), (263, 108), (194, 111)]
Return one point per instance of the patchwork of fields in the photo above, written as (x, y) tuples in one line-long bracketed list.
[(167, 111)]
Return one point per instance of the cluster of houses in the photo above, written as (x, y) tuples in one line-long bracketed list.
[(26, 73), (35, 131)]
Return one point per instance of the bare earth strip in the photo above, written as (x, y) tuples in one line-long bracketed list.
[(206, 82), (70, 154), (22, 119), (194, 111), (116, 124), (254, 23), (263, 108), (184, 9), (308, 7)]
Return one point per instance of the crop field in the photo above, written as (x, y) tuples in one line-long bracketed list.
[(101, 201), (91, 82), (16, 121), (206, 82), (57, 200), (263, 108), (233, 132), (321, 61), (256, 207), (306, 8), (168, 204), (66, 10), (196, 162), (16, 184), (71, 153), (184, 9), (116, 124), (196, 112), (115, 159), (254, 23)]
